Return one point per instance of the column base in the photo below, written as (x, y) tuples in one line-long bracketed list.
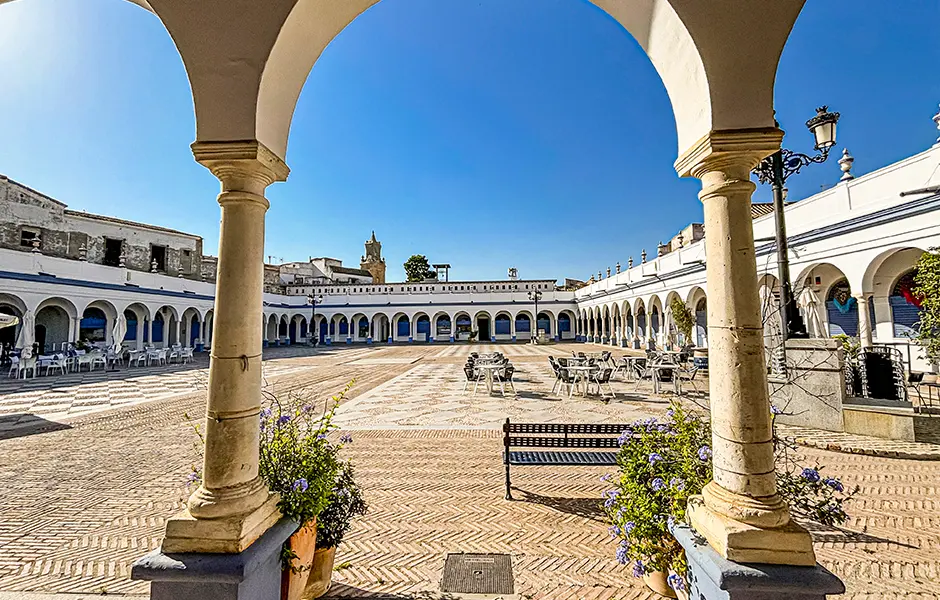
[(369, 340), (712, 577), (493, 339), (226, 535), (452, 339), (252, 573), (740, 542)]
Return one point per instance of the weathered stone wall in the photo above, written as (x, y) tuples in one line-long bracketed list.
[(64, 232), (272, 279), (813, 393), (209, 268)]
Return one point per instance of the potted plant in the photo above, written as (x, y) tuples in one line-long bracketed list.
[(661, 465), (299, 461), (345, 504)]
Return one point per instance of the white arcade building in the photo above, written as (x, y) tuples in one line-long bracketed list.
[(853, 246)]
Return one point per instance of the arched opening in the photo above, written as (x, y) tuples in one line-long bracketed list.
[(442, 327), (361, 328), (543, 324), (842, 310), (484, 327), (342, 327), (422, 328), (463, 326), (502, 326), (10, 305), (701, 323), (93, 328), (905, 306), (52, 328), (565, 330), (523, 326), (402, 328)]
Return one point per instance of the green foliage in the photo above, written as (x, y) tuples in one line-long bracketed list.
[(660, 468), (683, 318), (927, 289), (663, 463), (345, 504), (850, 346), (297, 459), (417, 268)]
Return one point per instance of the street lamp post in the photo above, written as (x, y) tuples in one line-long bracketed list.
[(775, 170), (314, 300), (535, 296)]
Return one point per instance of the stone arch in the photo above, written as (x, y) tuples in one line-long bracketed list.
[(629, 324), (442, 325), (545, 320), (359, 331), (522, 323), (685, 41), (641, 320), (671, 334), (56, 322), (421, 326), (655, 319), (90, 326), (401, 327), (191, 318), (504, 326), (10, 304), (271, 329), (566, 325), (887, 282), (483, 324)]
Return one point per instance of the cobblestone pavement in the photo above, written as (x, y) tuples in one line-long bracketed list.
[(81, 501)]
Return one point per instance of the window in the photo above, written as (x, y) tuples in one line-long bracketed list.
[(27, 235), (158, 255), (112, 252)]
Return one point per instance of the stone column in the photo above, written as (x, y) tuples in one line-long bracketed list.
[(740, 512), (864, 321), (140, 333), (233, 507), (150, 332)]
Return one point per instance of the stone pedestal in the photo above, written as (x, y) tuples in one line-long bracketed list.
[(254, 573), (712, 577)]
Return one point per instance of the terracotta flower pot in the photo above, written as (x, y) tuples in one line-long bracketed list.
[(321, 576), (656, 581), (303, 543)]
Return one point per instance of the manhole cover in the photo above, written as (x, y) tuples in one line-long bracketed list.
[(478, 574)]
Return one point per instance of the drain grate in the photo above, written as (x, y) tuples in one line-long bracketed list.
[(478, 574)]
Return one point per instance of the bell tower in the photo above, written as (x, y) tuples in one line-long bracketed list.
[(373, 261)]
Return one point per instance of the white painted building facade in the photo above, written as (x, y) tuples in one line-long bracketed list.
[(854, 245)]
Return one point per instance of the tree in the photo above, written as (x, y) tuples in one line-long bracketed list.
[(683, 318), (927, 291), (417, 268)]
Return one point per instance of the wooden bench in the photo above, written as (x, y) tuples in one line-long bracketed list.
[(571, 444)]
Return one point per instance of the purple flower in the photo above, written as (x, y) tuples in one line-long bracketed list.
[(605, 477), (321, 436), (628, 527), (833, 483), (345, 438), (658, 484), (774, 410), (625, 436), (670, 413), (300, 485), (704, 453), (655, 457), (677, 483), (283, 419), (192, 478), (265, 413), (639, 569), (611, 498), (676, 582), (307, 408), (670, 522), (622, 549), (614, 531), (810, 475)]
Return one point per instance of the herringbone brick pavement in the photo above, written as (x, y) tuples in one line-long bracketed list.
[(79, 504)]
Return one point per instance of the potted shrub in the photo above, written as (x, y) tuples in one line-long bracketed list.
[(345, 504), (299, 461), (661, 465)]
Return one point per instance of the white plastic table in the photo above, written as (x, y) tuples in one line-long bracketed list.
[(580, 373), (487, 371)]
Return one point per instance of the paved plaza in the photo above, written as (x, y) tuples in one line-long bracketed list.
[(83, 495)]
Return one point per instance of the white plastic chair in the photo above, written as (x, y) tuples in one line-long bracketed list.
[(26, 365), (59, 362), (99, 358)]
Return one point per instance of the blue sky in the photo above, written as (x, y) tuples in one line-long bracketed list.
[(483, 133)]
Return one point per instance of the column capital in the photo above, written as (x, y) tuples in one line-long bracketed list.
[(241, 164), (742, 148)]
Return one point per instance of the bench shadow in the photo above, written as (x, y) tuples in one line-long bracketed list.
[(19, 425), (343, 591), (586, 508), (830, 533)]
